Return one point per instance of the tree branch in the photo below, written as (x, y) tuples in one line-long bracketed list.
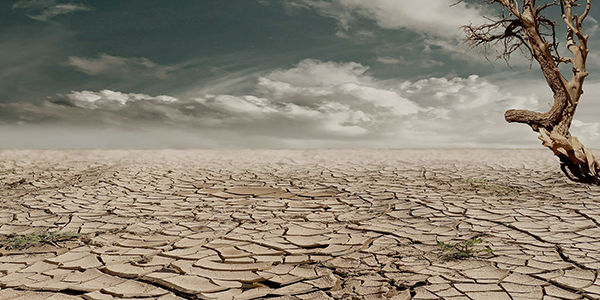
[(526, 27)]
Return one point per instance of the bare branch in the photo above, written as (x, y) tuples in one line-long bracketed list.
[(547, 5), (506, 33), (568, 15), (526, 28), (588, 7)]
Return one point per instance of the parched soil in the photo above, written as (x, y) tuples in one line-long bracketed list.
[(314, 224)]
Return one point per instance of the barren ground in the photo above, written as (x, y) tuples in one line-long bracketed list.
[(225, 224)]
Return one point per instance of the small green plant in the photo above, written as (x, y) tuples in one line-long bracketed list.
[(23, 241), (464, 249), (486, 184), (3, 172)]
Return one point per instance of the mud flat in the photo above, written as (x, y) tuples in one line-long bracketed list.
[(318, 224)]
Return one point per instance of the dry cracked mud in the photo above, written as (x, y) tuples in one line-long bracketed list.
[(241, 224)]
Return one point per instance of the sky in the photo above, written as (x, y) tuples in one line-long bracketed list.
[(265, 74)]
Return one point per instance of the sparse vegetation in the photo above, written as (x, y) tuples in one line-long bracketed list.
[(486, 184), (464, 249), (3, 172), (23, 241)]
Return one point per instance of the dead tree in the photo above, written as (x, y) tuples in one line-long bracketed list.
[(523, 26)]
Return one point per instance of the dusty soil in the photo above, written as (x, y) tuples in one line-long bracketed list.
[(225, 224)]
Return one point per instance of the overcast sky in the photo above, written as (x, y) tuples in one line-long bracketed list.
[(264, 74)]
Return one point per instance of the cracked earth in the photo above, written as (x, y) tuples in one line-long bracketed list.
[(297, 225)]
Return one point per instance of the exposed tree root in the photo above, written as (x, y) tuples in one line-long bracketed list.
[(523, 26), (576, 161)]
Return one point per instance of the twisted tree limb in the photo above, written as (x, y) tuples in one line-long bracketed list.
[(522, 26)]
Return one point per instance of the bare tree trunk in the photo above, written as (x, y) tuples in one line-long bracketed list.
[(577, 162)]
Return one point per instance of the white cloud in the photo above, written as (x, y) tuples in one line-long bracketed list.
[(434, 17), (237, 104), (329, 104), (400, 60), (392, 60), (119, 66), (589, 130), (314, 73), (594, 27), (92, 99), (44, 10), (333, 101)]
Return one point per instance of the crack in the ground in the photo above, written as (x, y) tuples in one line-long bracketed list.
[(583, 214), (172, 290), (557, 248), (394, 201), (563, 286), (565, 258)]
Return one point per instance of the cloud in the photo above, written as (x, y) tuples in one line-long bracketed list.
[(91, 99), (45, 10), (591, 130), (400, 60), (594, 27), (392, 60), (106, 64), (433, 17), (325, 104), (33, 4)]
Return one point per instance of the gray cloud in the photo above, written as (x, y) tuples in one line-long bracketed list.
[(45, 10), (433, 17), (106, 64), (33, 4), (400, 60), (322, 103)]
